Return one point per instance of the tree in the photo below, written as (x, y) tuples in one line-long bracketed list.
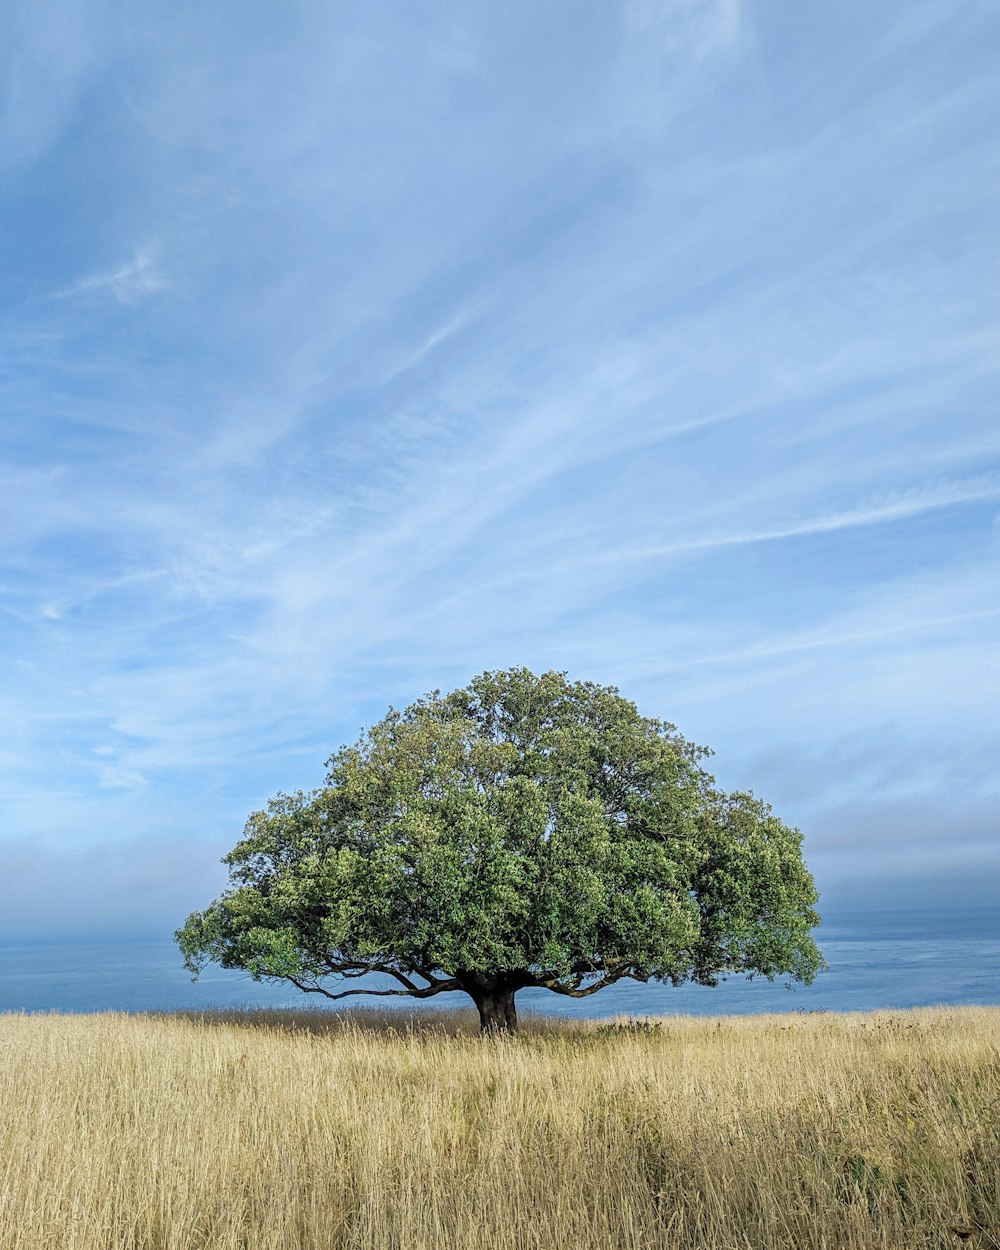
[(521, 832)]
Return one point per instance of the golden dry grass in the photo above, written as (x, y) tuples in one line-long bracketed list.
[(292, 1131)]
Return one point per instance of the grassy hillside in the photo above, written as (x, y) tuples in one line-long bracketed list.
[(270, 1131)]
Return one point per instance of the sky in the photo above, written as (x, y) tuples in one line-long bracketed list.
[(349, 350)]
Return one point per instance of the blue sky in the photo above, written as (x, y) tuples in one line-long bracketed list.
[(349, 350)]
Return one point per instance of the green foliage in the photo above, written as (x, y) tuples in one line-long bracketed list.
[(523, 831)]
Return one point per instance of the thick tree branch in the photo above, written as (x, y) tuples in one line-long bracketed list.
[(353, 971), (360, 968), (574, 991), (439, 987), (574, 987), (577, 974)]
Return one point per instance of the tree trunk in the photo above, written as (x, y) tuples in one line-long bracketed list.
[(494, 999), (497, 1012)]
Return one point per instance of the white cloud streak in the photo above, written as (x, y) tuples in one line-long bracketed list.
[(128, 284)]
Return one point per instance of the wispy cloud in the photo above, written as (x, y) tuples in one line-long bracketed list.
[(129, 283), (900, 507), (454, 325)]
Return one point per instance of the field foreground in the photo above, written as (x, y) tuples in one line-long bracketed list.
[(288, 1130)]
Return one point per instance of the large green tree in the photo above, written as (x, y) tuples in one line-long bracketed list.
[(521, 832)]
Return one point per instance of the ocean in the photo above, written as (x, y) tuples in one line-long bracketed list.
[(878, 960)]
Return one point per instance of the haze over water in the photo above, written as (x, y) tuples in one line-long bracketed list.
[(877, 960)]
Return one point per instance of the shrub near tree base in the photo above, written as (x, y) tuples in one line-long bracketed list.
[(521, 832)]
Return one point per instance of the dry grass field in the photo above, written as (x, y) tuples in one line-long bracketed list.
[(298, 1130)]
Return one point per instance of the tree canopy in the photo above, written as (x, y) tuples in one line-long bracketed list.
[(524, 831)]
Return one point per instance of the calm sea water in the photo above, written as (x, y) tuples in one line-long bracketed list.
[(877, 960)]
